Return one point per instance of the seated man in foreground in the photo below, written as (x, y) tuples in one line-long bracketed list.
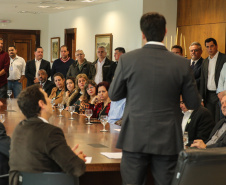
[(218, 135), (37, 146), (198, 123)]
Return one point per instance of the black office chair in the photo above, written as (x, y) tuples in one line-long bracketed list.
[(4, 170), (201, 167), (47, 178)]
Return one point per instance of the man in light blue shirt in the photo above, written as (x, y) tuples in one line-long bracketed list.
[(221, 89), (116, 110)]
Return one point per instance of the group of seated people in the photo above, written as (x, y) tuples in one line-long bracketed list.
[(81, 93)]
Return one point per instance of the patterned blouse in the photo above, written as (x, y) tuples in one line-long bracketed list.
[(99, 110), (81, 106)]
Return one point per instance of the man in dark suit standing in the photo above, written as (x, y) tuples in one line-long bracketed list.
[(118, 52), (102, 65), (196, 61), (210, 73), (33, 66), (46, 84), (152, 79)]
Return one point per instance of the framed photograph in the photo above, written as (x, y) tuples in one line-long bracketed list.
[(106, 41), (55, 48)]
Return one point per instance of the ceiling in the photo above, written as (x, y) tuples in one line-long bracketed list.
[(45, 6)]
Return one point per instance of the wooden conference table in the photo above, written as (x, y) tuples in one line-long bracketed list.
[(101, 170)]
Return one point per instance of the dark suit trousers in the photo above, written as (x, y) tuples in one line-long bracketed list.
[(212, 105), (134, 168)]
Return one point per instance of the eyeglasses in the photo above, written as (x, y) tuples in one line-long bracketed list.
[(91, 87)]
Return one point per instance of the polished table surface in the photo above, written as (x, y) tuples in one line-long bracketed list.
[(101, 170), (91, 141)]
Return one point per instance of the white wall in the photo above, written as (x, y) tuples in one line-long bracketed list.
[(168, 8), (30, 22), (121, 18)]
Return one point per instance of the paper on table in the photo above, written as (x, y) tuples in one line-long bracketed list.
[(88, 159), (118, 130), (112, 155)]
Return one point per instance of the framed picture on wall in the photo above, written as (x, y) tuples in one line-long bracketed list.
[(55, 48), (106, 41)]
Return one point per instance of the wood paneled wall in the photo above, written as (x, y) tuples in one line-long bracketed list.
[(201, 19)]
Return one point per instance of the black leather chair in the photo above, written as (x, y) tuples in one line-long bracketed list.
[(4, 170), (201, 167), (47, 178)]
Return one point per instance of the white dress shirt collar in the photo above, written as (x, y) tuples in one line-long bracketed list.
[(215, 56), (155, 43)]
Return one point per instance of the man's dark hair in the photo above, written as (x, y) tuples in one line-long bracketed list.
[(28, 101), (64, 46), (105, 84), (12, 46), (38, 48), (178, 47), (1, 39), (153, 26), (120, 49), (209, 40)]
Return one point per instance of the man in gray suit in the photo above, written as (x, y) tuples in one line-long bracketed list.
[(152, 79)]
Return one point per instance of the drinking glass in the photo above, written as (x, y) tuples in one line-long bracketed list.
[(53, 103), (60, 108), (2, 118), (71, 109), (9, 93), (104, 120), (89, 113), (185, 139)]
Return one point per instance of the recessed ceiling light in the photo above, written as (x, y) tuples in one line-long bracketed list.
[(88, 1), (43, 6), (28, 12), (58, 7)]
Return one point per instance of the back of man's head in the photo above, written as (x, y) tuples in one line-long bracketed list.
[(153, 26), (28, 101)]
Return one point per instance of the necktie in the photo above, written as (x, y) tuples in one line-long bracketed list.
[(193, 64)]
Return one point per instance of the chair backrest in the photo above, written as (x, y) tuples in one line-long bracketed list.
[(47, 178), (201, 167)]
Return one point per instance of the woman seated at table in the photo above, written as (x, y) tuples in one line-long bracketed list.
[(81, 80), (58, 91), (71, 95), (89, 94), (103, 107)]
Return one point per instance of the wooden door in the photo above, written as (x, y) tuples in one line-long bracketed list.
[(25, 41), (70, 41)]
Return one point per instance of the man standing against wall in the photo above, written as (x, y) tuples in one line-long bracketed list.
[(118, 52), (196, 61), (151, 130), (33, 66), (16, 71), (102, 65), (210, 74), (62, 64), (81, 65), (4, 70)]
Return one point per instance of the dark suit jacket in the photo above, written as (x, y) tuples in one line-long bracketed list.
[(221, 142), (152, 79), (111, 72), (200, 126), (105, 68), (30, 70), (204, 73), (197, 72), (49, 85), (42, 149)]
